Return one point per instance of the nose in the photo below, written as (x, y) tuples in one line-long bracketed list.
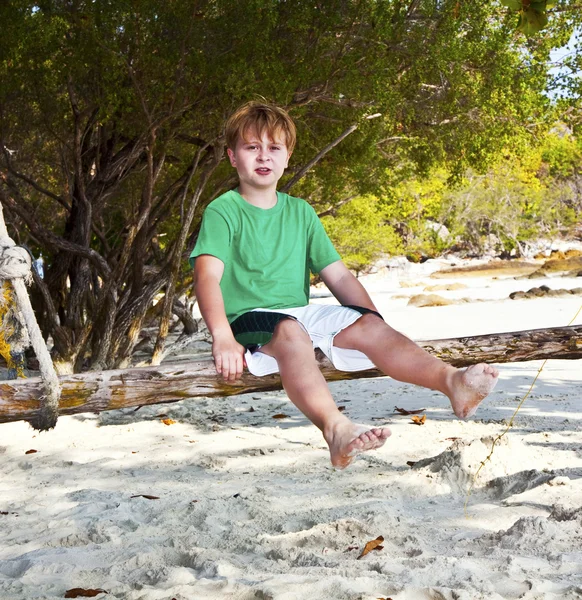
[(263, 155)]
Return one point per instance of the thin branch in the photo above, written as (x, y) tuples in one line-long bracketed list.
[(317, 158), (395, 138), (564, 9), (51, 312), (80, 191), (321, 154), (190, 139), (31, 182), (332, 209)]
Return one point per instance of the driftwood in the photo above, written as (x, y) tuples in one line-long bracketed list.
[(108, 390)]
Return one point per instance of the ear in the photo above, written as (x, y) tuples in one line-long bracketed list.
[(231, 157), (288, 157)]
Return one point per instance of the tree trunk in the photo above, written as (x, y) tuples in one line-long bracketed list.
[(109, 390)]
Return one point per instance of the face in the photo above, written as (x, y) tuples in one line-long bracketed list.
[(260, 162)]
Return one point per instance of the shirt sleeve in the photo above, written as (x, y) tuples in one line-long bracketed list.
[(321, 251), (215, 237)]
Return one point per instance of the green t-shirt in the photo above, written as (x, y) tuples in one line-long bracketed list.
[(267, 253)]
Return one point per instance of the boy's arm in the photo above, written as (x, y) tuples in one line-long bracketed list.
[(226, 351), (345, 287)]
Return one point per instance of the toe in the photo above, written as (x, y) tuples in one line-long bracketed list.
[(492, 371), (370, 437)]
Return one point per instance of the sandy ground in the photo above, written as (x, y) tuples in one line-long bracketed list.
[(245, 506)]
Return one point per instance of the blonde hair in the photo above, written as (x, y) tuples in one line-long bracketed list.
[(259, 118)]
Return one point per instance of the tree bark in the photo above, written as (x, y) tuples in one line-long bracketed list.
[(109, 390)]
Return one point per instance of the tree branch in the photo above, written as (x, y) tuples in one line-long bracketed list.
[(317, 158), (31, 182), (332, 209), (108, 390), (49, 238)]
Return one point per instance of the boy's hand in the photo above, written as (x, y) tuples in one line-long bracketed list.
[(228, 357), (228, 354)]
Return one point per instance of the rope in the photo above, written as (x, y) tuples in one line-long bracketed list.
[(509, 425), (15, 266), (14, 261)]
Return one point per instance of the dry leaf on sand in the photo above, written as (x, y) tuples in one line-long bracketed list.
[(82, 593), (31, 452), (372, 545), (168, 421), (280, 416), (403, 411), (418, 420), (146, 496)]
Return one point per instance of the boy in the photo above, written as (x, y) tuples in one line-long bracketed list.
[(252, 261)]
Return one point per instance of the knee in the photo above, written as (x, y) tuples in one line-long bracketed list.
[(371, 324), (289, 330), (367, 332)]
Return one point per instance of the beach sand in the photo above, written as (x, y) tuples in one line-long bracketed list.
[(225, 501)]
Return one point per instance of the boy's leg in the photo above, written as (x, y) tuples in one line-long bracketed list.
[(400, 358), (308, 390)]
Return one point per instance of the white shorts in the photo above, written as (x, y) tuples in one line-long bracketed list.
[(322, 323)]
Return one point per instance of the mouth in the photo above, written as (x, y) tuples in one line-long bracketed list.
[(262, 171)]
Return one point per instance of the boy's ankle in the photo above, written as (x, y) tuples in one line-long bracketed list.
[(332, 423), (449, 377)]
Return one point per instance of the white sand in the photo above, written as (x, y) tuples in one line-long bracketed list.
[(250, 508)]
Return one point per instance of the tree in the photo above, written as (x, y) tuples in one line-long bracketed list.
[(111, 128), (519, 199), (360, 234)]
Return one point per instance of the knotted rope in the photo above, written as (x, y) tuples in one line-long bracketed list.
[(15, 266), (15, 262)]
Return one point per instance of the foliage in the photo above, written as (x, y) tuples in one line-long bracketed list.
[(360, 233), (562, 154), (412, 205), (532, 14), (518, 200)]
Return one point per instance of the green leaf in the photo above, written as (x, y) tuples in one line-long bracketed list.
[(537, 19), (539, 6), (512, 4), (532, 21), (526, 28)]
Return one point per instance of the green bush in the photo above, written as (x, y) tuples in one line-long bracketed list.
[(360, 234)]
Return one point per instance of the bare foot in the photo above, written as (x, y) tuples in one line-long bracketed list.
[(346, 439), (470, 386)]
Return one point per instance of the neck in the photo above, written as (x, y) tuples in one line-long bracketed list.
[(266, 198)]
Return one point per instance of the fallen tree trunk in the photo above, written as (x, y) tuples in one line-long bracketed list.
[(109, 390)]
